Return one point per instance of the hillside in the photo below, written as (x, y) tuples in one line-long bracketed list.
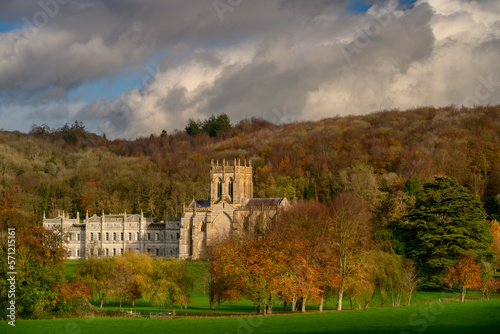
[(371, 155)]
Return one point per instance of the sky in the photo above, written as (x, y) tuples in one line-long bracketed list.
[(130, 68)]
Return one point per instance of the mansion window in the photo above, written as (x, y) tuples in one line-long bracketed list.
[(77, 252), (70, 236), (107, 235), (137, 236), (114, 251), (91, 235), (107, 251), (149, 236), (99, 236), (157, 252), (129, 235), (157, 236), (114, 236), (121, 236), (78, 236)]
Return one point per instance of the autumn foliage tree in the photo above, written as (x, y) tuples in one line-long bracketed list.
[(141, 268), (294, 260), (94, 272), (170, 283), (465, 274), (41, 287), (351, 229), (120, 282), (495, 247)]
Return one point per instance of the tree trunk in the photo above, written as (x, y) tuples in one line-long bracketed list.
[(133, 302), (269, 306), (120, 304), (173, 310), (367, 302), (409, 297), (218, 304), (102, 301), (382, 300), (211, 299), (303, 308), (284, 306), (464, 291), (321, 301), (294, 303), (340, 295)]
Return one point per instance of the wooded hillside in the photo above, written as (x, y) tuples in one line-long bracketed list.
[(372, 156)]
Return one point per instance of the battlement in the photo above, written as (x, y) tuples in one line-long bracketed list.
[(236, 167), (231, 182)]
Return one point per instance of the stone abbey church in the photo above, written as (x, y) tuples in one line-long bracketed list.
[(231, 208)]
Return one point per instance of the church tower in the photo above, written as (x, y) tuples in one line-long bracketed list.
[(232, 183)]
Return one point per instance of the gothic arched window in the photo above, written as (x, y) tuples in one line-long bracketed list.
[(219, 188), (230, 189)]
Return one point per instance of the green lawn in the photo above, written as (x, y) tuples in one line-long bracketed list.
[(428, 316), (71, 266), (469, 317)]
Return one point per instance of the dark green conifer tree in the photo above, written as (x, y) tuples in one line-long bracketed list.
[(446, 222)]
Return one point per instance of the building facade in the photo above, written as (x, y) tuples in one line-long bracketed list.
[(230, 209), (110, 235)]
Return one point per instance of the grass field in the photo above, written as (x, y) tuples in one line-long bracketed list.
[(432, 312), (469, 317)]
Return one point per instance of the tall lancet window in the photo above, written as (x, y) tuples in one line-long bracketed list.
[(219, 188), (230, 189)]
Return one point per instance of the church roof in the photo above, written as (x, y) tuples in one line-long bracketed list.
[(264, 201), (204, 203)]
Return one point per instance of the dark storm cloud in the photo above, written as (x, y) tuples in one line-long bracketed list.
[(81, 41)]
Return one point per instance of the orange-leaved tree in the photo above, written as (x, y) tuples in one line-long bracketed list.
[(309, 261), (495, 247), (465, 274), (351, 235)]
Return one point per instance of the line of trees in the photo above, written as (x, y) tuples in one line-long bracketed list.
[(309, 253), (314, 251), (133, 275)]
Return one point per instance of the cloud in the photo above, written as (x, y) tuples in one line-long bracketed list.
[(307, 60)]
